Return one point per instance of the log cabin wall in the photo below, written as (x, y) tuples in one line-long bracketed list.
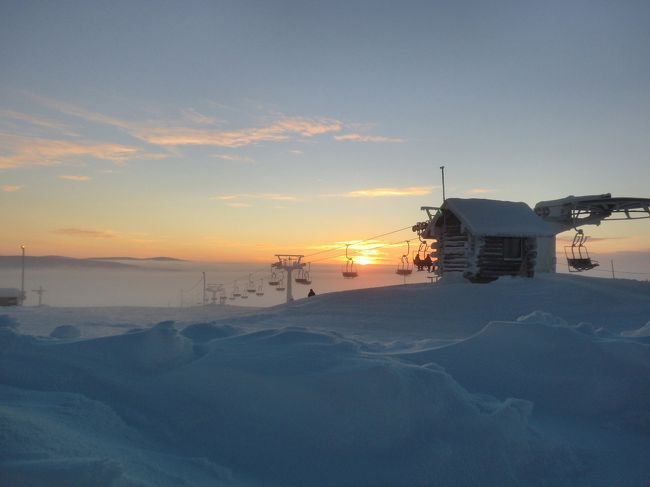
[(496, 258), (452, 246)]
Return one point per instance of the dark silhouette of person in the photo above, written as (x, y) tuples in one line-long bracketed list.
[(427, 262), (311, 293)]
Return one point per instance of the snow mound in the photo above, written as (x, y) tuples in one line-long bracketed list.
[(644, 331), (66, 331), (7, 321), (159, 347), (204, 332), (285, 406), (559, 369), (542, 318), (58, 438)]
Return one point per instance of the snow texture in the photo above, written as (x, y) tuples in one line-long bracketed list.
[(499, 218), (517, 382)]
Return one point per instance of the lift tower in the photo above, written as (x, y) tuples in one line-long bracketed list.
[(289, 263)]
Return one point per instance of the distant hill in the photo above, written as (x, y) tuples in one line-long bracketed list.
[(58, 261), (12, 261), (159, 259)]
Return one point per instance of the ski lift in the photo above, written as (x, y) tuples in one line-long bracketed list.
[(404, 268), (222, 299), (274, 280), (244, 295), (577, 256), (281, 286), (260, 288), (231, 297), (421, 258), (251, 288), (349, 270), (303, 275), (235, 290)]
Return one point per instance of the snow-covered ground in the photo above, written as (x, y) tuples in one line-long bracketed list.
[(517, 382)]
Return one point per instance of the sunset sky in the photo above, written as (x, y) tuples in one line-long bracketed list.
[(230, 130)]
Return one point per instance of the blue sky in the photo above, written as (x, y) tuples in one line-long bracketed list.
[(223, 129)]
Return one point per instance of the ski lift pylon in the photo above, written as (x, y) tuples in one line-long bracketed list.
[(349, 270), (577, 256)]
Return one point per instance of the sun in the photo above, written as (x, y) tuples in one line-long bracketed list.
[(363, 260)]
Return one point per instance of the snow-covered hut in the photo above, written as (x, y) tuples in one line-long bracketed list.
[(10, 297), (486, 239)]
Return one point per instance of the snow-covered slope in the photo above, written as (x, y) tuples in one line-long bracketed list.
[(449, 384)]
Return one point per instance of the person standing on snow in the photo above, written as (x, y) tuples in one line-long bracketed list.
[(311, 293)]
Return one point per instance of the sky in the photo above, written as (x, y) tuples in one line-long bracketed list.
[(235, 130)]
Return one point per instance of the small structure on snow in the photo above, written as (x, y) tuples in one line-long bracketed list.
[(486, 239), (10, 297)]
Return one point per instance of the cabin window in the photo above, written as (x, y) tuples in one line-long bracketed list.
[(512, 248)]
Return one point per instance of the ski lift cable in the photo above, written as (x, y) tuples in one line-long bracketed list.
[(378, 246), (359, 241), (265, 269), (193, 287)]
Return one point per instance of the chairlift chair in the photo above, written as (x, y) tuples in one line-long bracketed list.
[(577, 256), (404, 268), (274, 280), (303, 275), (421, 258), (349, 270), (260, 288), (251, 288), (235, 290), (281, 286), (244, 295)]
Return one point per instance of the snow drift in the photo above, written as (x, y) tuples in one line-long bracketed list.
[(507, 396)]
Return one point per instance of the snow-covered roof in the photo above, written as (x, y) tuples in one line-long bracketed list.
[(498, 218), (9, 292)]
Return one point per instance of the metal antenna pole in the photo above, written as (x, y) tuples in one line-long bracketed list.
[(204, 289), (612, 263), (442, 169), (22, 280)]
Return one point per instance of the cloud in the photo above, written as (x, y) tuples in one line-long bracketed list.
[(388, 192), (11, 188), (236, 204), (233, 158), (281, 130), (85, 233), (244, 200), (37, 121), (481, 190), (34, 151), (260, 196), (367, 138), (75, 178), (162, 134), (195, 117)]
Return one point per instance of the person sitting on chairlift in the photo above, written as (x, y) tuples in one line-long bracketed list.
[(427, 262), (311, 293), (419, 263)]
